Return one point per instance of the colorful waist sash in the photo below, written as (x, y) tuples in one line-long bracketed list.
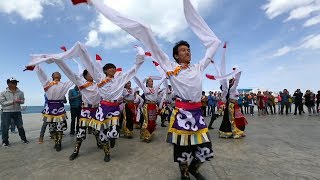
[(187, 126), (54, 111), (86, 115), (107, 114)]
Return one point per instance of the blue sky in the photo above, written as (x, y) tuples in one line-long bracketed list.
[(275, 42)]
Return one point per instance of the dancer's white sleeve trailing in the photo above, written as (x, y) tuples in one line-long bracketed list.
[(187, 79)]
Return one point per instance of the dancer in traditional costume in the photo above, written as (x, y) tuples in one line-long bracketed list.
[(233, 122), (150, 106), (188, 131), (90, 103), (129, 110), (110, 89), (139, 116), (54, 112), (166, 105)]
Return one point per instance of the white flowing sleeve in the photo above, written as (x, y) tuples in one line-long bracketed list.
[(161, 81), (137, 30), (78, 50), (76, 79), (133, 71), (223, 61), (236, 82), (141, 101), (138, 82), (42, 75), (204, 33)]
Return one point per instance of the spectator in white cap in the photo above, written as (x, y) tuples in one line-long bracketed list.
[(11, 100)]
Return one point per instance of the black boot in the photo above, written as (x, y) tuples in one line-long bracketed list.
[(106, 149), (96, 134), (184, 171), (89, 130), (54, 135), (194, 169), (59, 139), (112, 142), (76, 151), (213, 118), (163, 125)]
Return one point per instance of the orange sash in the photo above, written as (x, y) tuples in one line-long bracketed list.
[(46, 88), (87, 84), (177, 70), (103, 82)]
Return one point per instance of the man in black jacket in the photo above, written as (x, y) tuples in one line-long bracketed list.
[(298, 101)]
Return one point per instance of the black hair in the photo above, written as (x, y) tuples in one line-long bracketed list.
[(54, 73), (108, 66), (85, 73), (176, 46)]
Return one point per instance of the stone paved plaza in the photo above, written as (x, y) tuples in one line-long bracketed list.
[(276, 147)]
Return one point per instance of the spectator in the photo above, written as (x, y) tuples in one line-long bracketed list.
[(260, 104), (251, 103), (75, 102), (298, 101), (246, 104), (285, 101), (240, 102), (204, 102), (310, 102), (11, 100), (212, 103), (318, 101), (279, 102)]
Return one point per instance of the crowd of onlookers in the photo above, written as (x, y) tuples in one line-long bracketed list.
[(265, 102)]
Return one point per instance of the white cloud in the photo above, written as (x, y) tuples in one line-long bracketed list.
[(297, 9), (313, 21), (165, 17), (282, 51), (311, 42), (27, 9), (93, 39), (275, 8), (303, 12)]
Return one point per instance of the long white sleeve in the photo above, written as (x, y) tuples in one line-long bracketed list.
[(138, 31), (236, 81), (188, 83), (204, 33), (133, 71), (138, 82), (76, 79), (78, 50), (42, 75)]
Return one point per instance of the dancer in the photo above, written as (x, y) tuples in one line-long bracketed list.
[(233, 123), (129, 110), (90, 103), (150, 106), (54, 112), (110, 88)]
